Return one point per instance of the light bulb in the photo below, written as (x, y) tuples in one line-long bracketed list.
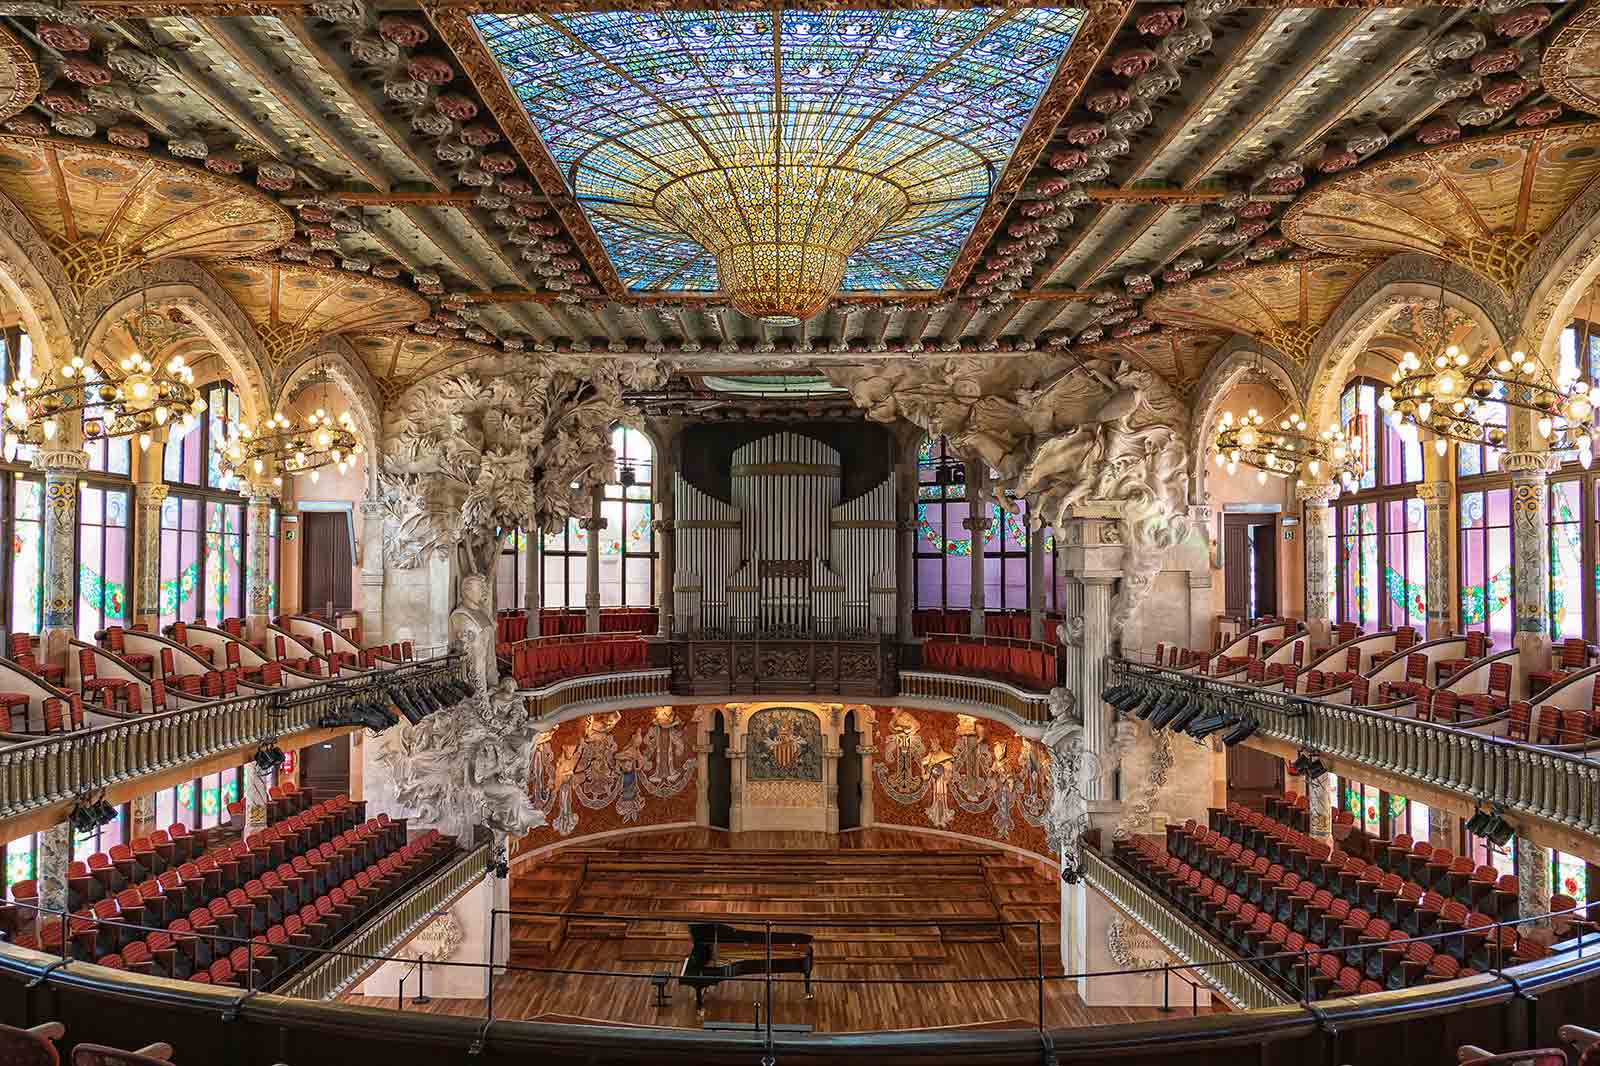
[(1544, 426), (67, 371), (1261, 477), (316, 475), (162, 415), (144, 442), (1221, 462), (1386, 401), (260, 466), (17, 411), (50, 429), (1424, 409), (1314, 467), (1231, 468), (343, 467), (1586, 457), (1440, 446)]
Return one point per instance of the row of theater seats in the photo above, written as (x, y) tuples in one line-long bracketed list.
[(36, 1047), (958, 622), (1331, 923), (571, 621), (548, 659), (1024, 663)]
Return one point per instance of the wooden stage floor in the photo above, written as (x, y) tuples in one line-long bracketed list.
[(965, 988)]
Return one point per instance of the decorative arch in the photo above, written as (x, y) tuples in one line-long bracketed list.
[(1237, 356), (350, 374), (1564, 265), (1403, 279), (32, 278), (181, 284)]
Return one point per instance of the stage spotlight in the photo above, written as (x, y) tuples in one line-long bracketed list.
[(1478, 825), (1241, 732), (1307, 766)]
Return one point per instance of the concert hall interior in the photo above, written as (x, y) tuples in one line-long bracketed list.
[(738, 532)]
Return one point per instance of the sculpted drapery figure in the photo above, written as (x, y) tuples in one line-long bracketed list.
[(472, 631)]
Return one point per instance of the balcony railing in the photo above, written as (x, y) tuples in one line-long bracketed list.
[(59, 767), (961, 693), (1526, 779)]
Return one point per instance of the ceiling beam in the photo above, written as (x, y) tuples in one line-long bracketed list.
[(304, 8)]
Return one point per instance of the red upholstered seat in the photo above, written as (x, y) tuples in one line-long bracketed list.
[(30, 1047)]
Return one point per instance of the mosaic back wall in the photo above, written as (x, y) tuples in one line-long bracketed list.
[(605, 772), (960, 774)]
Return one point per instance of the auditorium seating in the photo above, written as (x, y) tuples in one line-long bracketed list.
[(1478, 645), (25, 653), (570, 621), (1342, 633), (548, 659), (1571, 655), (1264, 887), (927, 622), (1019, 662), (36, 1047)]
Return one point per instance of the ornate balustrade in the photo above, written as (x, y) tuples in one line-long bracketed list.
[(952, 692), (56, 768), (1526, 779)]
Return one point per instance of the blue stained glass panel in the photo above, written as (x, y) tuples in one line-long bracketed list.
[(932, 100)]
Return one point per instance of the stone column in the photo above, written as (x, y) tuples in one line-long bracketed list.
[(1436, 501), (147, 556), (256, 787), (591, 593), (1442, 831), (61, 469), (142, 816), (867, 746), (1533, 879), (1036, 576), (1530, 548), (702, 777), (372, 568), (55, 855), (977, 523), (831, 751), (533, 578), (1318, 524), (1096, 645), (905, 586), (258, 590), (1319, 805), (666, 529)]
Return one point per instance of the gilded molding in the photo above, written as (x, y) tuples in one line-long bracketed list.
[(19, 77), (1559, 71)]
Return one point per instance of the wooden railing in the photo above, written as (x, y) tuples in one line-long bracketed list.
[(362, 952), (1235, 981), (59, 767), (1525, 778)]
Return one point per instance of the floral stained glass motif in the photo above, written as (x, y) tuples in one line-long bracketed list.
[(27, 558), (633, 103), (1571, 876), (1566, 559)]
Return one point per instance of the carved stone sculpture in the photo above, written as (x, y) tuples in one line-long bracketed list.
[(472, 632)]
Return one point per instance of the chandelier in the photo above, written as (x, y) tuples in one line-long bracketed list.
[(781, 225), (282, 447), (135, 399), (1285, 447)]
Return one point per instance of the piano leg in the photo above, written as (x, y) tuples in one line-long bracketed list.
[(809, 993)]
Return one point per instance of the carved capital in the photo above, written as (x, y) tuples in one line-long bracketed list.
[(151, 494), (977, 525), (591, 524), (1529, 463), (1434, 492), (664, 525), (61, 459), (1315, 493)]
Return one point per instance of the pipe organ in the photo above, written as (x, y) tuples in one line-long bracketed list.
[(784, 557)]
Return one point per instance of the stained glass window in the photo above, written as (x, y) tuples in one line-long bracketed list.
[(27, 557), (1487, 594), (1405, 576), (628, 542), (1567, 586), (103, 548), (1478, 459), (224, 561), (631, 103), (114, 456), (1358, 564), (21, 856), (179, 568), (509, 571), (1569, 876), (564, 561)]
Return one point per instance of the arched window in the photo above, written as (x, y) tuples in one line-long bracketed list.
[(1574, 519), (1379, 543), (22, 499), (509, 570), (942, 568), (190, 458), (628, 541)]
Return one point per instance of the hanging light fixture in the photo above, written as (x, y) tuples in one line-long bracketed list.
[(281, 447), (136, 398), (1451, 392), (1284, 446)]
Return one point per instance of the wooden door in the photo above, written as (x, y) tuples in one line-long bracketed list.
[(849, 775), (1265, 537), (325, 562), (1236, 564), (325, 767), (719, 775)]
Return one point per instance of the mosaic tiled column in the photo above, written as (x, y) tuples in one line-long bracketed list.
[(55, 855), (1530, 546), (258, 590), (256, 787), (1533, 879), (147, 557), (142, 817), (1435, 497), (1319, 807), (1318, 524), (1443, 829), (1096, 645), (61, 471), (977, 524), (591, 586)]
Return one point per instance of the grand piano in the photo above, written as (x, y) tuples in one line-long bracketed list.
[(720, 952)]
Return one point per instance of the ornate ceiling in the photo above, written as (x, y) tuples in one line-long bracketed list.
[(1134, 179)]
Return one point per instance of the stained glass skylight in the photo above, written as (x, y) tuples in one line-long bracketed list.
[(931, 100)]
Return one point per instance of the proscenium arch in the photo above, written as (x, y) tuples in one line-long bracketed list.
[(1233, 360), (182, 285), (347, 371), (1403, 279), (33, 281)]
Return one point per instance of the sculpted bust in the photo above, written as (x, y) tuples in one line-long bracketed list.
[(472, 631)]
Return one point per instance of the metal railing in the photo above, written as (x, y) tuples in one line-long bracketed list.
[(1241, 986), (62, 766), (333, 975), (959, 693), (1525, 779)]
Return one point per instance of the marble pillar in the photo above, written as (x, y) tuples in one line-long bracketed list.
[(1533, 879), (1318, 525), (258, 590), (533, 578), (1096, 645), (1436, 497), (905, 548), (591, 591), (256, 787), (61, 470), (977, 523), (147, 556), (1530, 541), (702, 762), (55, 855), (1319, 807), (372, 579), (1036, 579), (666, 468), (830, 770)]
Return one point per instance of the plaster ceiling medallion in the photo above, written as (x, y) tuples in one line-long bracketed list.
[(781, 159), (1570, 68), (19, 78), (1482, 204), (1179, 356), (107, 210), (1281, 304), (292, 305)]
